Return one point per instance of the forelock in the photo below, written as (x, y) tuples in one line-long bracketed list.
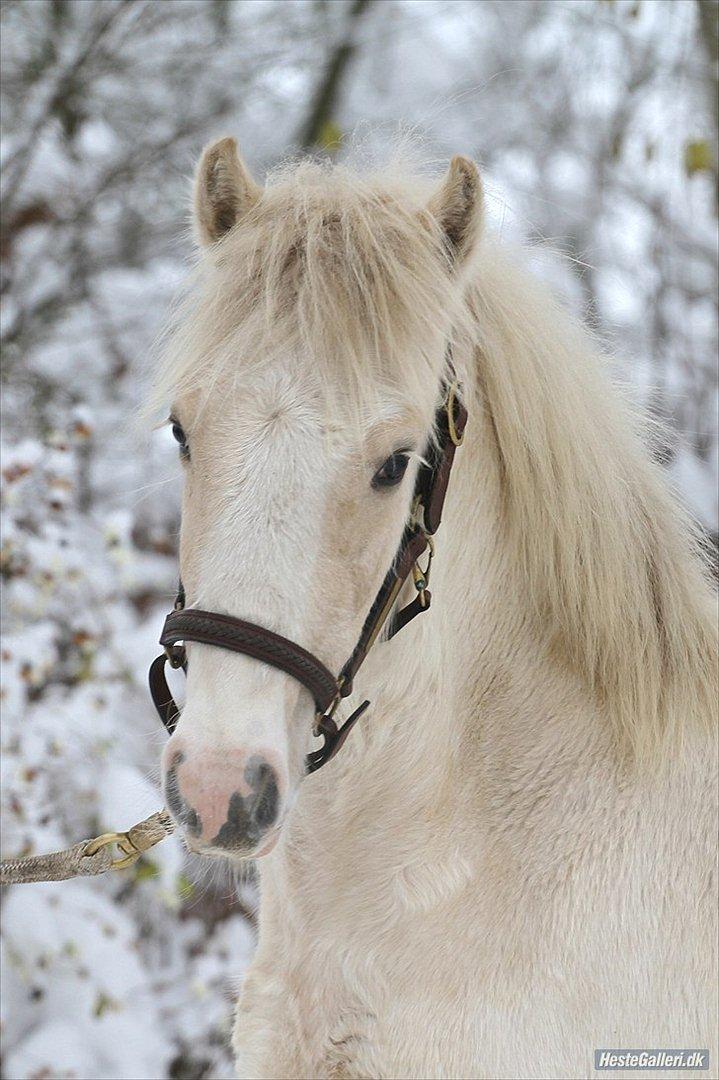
[(345, 269)]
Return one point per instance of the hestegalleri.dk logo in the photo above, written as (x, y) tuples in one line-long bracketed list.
[(651, 1059)]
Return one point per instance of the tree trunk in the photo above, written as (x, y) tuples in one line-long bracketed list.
[(327, 92)]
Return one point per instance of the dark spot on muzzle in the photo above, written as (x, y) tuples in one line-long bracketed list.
[(249, 817), (184, 814), (261, 778)]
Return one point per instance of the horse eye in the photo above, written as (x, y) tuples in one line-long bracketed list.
[(391, 473), (179, 435)]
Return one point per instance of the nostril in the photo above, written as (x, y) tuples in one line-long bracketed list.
[(178, 806), (191, 820), (249, 816), (261, 777), (175, 758)]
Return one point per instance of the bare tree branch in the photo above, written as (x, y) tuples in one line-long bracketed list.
[(326, 94)]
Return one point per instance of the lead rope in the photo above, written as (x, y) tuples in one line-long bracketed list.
[(89, 857)]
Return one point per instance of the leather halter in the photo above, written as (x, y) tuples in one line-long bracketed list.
[(227, 632)]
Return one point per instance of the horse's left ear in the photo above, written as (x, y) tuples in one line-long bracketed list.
[(224, 190), (458, 206)]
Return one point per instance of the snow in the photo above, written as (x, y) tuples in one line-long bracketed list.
[(579, 114)]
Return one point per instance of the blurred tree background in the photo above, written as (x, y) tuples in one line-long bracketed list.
[(595, 123)]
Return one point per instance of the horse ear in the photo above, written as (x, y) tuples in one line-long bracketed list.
[(224, 191), (458, 207)]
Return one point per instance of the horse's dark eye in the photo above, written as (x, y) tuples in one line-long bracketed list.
[(392, 471), (179, 435)]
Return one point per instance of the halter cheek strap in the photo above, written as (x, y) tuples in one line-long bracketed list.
[(236, 635)]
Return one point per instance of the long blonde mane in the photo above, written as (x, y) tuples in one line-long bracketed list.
[(614, 567), (347, 267)]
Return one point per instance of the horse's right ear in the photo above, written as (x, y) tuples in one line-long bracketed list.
[(224, 191)]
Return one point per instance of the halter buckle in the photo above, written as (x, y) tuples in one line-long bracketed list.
[(420, 576), (334, 738)]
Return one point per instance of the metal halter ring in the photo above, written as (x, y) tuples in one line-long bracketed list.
[(328, 713), (451, 398), (176, 655)]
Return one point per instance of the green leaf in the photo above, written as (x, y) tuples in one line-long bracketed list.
[(698, 157)]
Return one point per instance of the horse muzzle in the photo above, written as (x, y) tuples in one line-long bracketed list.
[(225, 803)]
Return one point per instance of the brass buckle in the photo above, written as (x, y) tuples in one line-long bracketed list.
[(130, 853), (451, 398), (420, 576), (331, 711)]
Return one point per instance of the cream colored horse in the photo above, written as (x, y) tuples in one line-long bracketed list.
[(509, 864)]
